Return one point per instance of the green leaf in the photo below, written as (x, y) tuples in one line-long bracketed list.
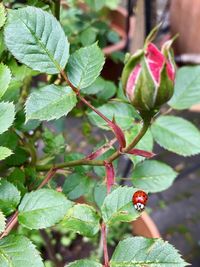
[(84, 263), (112, 4), (5, 152), (18, 251), (85, 65), (2, 222), (7, 115), (53, 144), (146, 143), (96, 5), (140, 252), (5, 77), (153, 176), (2, 15), (177, 135), (82, 219), (118, 206), (124, 115), (187, 86), (76, 185), (42, 208), (52, 101), (101, 88), (39, 41), (88, 36), (9, 197)]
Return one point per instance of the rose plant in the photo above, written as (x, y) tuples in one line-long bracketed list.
[(42, 177)]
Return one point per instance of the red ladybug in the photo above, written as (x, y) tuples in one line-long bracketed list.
[(139, 200)]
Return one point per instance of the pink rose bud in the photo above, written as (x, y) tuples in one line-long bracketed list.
[(148, 78)]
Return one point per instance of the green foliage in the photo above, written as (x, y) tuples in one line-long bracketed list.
[(39, 41), (42, 208), (32, 42), (52, 101), (84, 263), (123, 114), (2, 15), (146, 143), (153, 176), (82, 219), (7, 115), (2, 222), (4, 152), (85, 65), (177, 135), (5, 78), (187, 88), (118, 206), (16, 250), (101, 88), (140, 251), (54, 144), (9, 197), (76, 185)]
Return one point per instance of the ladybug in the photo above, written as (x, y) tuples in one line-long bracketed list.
[(139, 200)]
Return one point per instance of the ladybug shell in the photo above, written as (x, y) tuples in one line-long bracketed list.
[(140, 197)]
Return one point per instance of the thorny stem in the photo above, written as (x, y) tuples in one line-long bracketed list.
[(11, 224), (105, 247), (83, 99)]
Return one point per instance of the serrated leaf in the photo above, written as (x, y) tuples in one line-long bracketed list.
[(140, 252), (153, 176), (123, 114), (18, 251), (9, 197), (146, 143), (76, 185), (7, 115), (177, 135), (2, 15), (2, 222), (85, 65), (42, 208), (5, 77), (82, 219), (50, 102), (187, 86), (39, 40), (118, 206), (84, 263), (5, 152)]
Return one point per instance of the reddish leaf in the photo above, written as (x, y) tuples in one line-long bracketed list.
[(143, 153), (118, 133), (110, 176), (101, 150)]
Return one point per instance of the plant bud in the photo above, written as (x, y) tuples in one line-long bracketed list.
[(148, 78)]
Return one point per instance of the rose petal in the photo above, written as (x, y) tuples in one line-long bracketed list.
[(132, 80), (155, 61)]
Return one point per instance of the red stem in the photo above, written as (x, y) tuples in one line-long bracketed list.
[(105, 248), (83, 99)]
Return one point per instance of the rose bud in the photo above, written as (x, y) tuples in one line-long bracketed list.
[(148, 78)]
